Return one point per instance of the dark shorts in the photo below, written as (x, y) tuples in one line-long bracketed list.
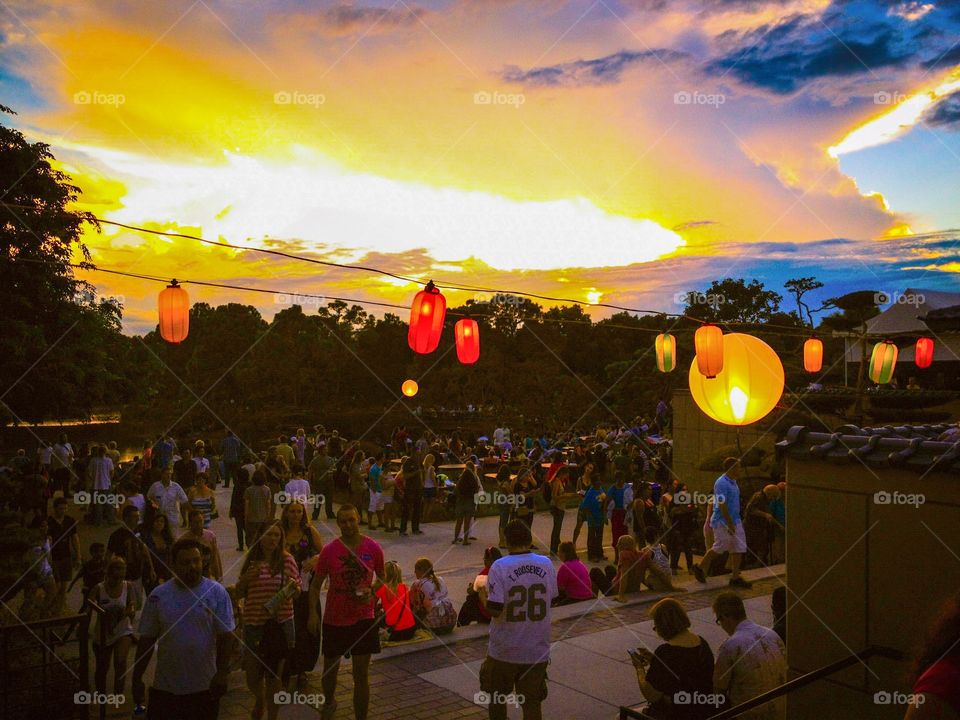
[(465, 506), (62, 569), (167, 706), (361, 638), (429, 493), (271, 643), (504, 678)]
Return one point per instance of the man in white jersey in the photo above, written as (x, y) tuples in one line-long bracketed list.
[(518, 593)]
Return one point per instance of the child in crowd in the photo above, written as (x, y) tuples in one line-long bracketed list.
[(655, 563), (398, 620), (573, 578), (431, 603), (630, 569)]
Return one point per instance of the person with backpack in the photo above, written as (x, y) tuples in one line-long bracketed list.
[(467, 487)]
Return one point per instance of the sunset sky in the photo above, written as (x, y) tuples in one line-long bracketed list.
[(616, 150)]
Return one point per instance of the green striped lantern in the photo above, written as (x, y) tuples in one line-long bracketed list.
[(666, 352), (883, 361)]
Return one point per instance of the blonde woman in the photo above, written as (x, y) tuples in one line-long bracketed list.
[(398, 619)]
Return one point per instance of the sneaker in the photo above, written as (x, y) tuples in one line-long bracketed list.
[(698, 572), (472, 537), (740, 583), (140, 711)]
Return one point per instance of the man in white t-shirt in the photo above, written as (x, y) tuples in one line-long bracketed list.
[(498, 436), (518, 593), (170, 498), (297, 488)]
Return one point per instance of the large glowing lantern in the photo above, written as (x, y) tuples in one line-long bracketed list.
[(174, 306), (883, 360), (426, 320), (813, 355), (467, 334), (708, 343), (409, 388), (923, 353), (666, 346), (746, 389)]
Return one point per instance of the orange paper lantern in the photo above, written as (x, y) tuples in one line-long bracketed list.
[(467, 334), (410, 388), (426, 320), (174, 306), (708, 342), (748, 387), (923, 353), (813, 355)]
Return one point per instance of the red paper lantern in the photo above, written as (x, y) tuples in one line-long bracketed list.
[(813, 355), (467, 334), (174, 306), (426, 320), (708, 343), (923, 353)]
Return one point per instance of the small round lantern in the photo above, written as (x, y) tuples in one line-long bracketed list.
[(666, 347), (426, 320), (746, 389), (174, 306), (923, 353), (813, 355), (467, 334), (883, 361), (409, 388), (708, 342)]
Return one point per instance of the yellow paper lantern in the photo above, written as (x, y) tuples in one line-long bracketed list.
[(746, 389), (410, 388)]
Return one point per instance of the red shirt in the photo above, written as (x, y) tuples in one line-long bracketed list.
[(573, 579), (943, 680), (399, 616), (349, 571)]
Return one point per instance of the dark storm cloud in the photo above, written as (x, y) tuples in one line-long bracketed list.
[(597, 71), (946, 113)]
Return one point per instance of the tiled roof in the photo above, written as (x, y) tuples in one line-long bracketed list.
[(906, 446)]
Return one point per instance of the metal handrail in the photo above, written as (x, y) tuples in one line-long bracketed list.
[(627, 713)]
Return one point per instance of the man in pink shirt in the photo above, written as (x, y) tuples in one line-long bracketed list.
[(354, 564)]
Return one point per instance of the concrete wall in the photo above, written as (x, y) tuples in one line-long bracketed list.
[(695, 436), (862, 573)]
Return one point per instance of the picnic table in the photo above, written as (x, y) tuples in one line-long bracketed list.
[(452, 467)]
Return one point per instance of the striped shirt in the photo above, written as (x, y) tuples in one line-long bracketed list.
[(265, 587)]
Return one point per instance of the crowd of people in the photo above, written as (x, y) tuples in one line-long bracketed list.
[(162, 563)]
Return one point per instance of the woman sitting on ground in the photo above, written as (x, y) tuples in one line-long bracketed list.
[(472, 609), (431, 603), (398, 619), (573, 578), (937, 669), (682, 666)]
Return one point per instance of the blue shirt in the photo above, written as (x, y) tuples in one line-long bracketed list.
[(616, 494), (727, 490), (374, 475), (778, 510), (592, 507), (231, 449)]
